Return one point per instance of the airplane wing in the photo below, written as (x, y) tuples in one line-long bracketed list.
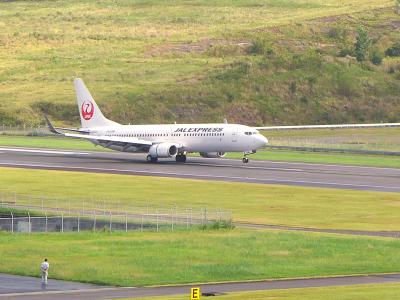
[(104, 140), (338, 126), (112, 140)]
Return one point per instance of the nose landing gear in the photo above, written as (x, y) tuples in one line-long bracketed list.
[(245, 160)]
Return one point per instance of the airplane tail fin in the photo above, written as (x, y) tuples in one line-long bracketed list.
[(91, 115)]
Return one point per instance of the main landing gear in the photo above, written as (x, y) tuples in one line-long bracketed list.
[(245, 160), (180, 158), (151, 159)]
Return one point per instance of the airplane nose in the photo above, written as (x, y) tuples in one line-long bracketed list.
[(261, 140)]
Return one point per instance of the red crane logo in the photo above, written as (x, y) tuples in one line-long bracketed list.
[(87, 110)]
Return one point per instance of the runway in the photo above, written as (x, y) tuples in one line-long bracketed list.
[(264, 172), (91, 292)]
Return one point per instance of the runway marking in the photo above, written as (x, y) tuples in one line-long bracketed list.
[(42, 151), (244, 167), (270, 180)]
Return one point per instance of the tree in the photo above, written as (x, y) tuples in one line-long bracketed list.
[(362, 44)]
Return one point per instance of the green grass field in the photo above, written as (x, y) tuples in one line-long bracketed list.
[(257, 203), (135, 259), (274, 155), (358, 292)]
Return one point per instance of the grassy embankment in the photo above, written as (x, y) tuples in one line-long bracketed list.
[(257, 62), (358, 292), (274, 155), (133, 259), (257, 203)]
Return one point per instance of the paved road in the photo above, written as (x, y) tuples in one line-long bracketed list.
[(114, 293), (267, 172), (23, 284)]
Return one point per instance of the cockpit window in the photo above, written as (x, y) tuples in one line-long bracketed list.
[(250, 132)]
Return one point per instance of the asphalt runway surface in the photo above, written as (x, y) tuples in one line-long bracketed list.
[(10, 284), (265, 172), (214, 288)]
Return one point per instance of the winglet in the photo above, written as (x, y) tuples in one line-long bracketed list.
[(51, 127)]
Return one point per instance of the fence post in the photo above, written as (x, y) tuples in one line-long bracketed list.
[(29, 222), (126, 222), (79, 216), (46, 221), (12, 223), (141, 224), (172, 219), (110, 221), (191, 217), (62, 222), (83, 207), (205, 216), (94, 221), (157, 218)]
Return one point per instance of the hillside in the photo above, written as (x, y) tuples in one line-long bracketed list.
[(255, 62)]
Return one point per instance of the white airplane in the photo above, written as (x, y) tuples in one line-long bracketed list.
[(211, 140)]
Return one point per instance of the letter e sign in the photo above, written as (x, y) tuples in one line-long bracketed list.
[(195, 293)]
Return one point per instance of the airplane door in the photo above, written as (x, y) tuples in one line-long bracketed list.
[(234, 134)]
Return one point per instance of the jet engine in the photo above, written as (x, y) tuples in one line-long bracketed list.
[(212, 154), (163, 150)]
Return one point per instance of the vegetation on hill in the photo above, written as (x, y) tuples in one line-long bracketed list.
[(255, 62)]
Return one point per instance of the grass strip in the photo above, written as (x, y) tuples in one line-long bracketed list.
[(249, 202), (138, 259)]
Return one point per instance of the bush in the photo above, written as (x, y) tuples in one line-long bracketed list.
[(344, 52), (394, 50), (261, 46), (217, 225), (376, 58)]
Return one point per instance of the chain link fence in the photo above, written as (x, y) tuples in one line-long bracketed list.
[(27, 213), (24, 129)]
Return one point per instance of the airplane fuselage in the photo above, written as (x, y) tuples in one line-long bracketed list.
[(202, 138)]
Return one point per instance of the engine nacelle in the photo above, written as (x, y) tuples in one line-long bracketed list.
[(212, 154), (163, 150)]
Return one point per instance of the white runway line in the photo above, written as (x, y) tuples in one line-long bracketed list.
[(205, 177), (42, 151)]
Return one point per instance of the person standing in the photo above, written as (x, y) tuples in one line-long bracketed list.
[(44, 267)]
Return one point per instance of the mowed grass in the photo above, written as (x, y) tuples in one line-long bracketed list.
[(359, 292), (324, 158), (256, 203), (382, 139), (54, 142), (274, 155), (136, 259)]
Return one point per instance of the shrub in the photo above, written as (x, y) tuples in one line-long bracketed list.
[(376, 58), (344, 52), (394, 50), (261, 46)]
